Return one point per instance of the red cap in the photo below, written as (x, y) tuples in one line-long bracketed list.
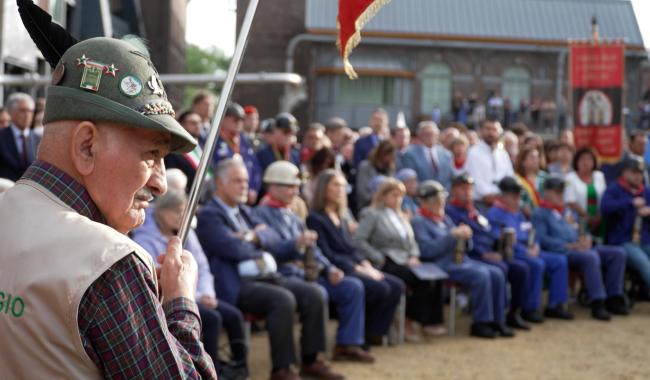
[(250, 109)]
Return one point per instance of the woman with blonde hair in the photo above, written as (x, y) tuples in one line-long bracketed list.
[(386, 238), (335, 226)]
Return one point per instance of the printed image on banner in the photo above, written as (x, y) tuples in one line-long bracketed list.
[(597, 73)]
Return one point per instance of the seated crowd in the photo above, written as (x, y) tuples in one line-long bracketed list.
[(348, 225)]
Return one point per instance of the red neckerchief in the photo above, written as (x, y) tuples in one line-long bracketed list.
[(429, 215), (471, 211), (626, 185), (546, 204), (306, 154), (459, 162), (232, 139), (268, 200), (500, 204)]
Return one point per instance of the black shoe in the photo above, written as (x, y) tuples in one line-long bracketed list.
[(483, 330), (598, 311), (503, 330), (515, 321), (558, 312), (617, 305), (532, 316), (233, 372), (374, 340)]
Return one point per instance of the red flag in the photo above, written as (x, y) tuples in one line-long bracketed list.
[(353, 15)]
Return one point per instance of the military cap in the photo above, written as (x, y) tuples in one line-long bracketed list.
[(554, 182), (235, 110), (509, 185), (286, 122), (634, 162), (431, 189), (267, 125), (111, 80), (461, 179)]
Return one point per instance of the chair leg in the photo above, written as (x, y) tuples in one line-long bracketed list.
[(247, 333), (452, 311), (396, 334)]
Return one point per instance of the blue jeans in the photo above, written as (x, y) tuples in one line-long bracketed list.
[(638, 257)]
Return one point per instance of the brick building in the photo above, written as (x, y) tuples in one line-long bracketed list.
[(418, 54)]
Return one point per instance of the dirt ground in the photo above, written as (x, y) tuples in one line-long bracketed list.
[(579, 349)]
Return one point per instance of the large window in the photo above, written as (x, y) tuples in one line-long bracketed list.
[(516, 85), (436, 88), (366, 90)]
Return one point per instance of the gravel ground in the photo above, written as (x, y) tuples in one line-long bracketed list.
[(581, 349)]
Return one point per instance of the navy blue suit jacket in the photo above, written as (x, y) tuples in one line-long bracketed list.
[(363, 146), (225, 251), (10, 165), (266, 157), (335, 243)]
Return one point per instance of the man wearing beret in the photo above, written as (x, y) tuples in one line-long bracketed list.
[(557, 233), (80, 299)]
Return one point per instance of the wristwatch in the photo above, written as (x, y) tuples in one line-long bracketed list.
[(249, 236)]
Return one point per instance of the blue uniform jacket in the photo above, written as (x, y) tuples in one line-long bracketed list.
[(288, 227), (335, 243), (619, 214), (266, 157), (500, 218), (435, 240), (553, 231), (215, 230), (483, 239), (247, 153)]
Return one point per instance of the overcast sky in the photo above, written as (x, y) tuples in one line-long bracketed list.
[(212, 23)]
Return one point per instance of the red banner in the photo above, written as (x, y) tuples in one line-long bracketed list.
[(597, 74), (353, 15)]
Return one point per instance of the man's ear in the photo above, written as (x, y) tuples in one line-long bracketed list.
[(85, 139)]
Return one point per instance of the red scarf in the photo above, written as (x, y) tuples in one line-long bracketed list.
[(306, 154), (268, 200), (429, 215), (500, 204), (459, 162), (471, 211), (546, 204), (626, 185)]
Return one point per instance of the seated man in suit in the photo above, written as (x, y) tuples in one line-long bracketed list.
[(484, 248), (18, 145), (444, 243), (235, 241), (505, 212), (429, 159), (379, 124), (626, 206), (297, 246), (557, 233), (280, 142)]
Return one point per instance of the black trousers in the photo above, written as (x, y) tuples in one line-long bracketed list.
[(277, 303), (424, 299), (229, 317)]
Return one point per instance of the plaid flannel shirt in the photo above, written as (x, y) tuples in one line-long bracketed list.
[(125, 330)]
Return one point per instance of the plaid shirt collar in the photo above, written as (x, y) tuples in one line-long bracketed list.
[(64, 187)]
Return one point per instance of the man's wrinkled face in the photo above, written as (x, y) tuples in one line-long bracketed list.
[(22, 114), (233, 189), (429, 136), (128, 171), (232, 124), (284, 193)]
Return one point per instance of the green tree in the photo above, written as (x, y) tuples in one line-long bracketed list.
[(203, 61)]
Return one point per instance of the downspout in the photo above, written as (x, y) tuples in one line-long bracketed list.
[(559, 82)]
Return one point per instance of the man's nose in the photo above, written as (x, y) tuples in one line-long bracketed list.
[(158, 180)]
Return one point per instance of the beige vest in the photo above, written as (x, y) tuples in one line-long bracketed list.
[(49, 256)]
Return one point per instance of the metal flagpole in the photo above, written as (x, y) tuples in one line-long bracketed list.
[(210, 143)]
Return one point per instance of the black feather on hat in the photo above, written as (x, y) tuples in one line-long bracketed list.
[(50, 38)]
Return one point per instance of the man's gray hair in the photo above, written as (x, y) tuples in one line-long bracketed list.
[(18, 97), (172, 199), (427, 124), (176, 179), (221, 170)]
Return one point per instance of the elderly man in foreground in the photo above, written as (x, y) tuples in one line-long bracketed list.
[(84, 300)]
